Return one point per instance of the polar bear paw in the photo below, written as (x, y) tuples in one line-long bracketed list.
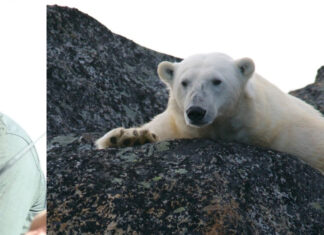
[(121, 137)]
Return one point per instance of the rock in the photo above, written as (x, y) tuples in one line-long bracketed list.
[(182, 187), (313, 93), (98, 80)]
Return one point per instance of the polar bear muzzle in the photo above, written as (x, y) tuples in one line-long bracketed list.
[(196, 114)]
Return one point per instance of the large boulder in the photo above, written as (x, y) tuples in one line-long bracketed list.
[(98, 80)]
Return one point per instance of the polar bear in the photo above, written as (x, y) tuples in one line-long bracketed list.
[(214, 96)]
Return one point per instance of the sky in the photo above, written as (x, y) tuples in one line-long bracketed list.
[(284, 38)]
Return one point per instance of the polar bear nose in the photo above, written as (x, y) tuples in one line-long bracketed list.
[(195, 113)]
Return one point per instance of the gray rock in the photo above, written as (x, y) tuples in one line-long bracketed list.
[(313, 93), (97, 81), (182, 187)]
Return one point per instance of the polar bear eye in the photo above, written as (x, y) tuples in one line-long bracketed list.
[(184, 83), (216, 82)]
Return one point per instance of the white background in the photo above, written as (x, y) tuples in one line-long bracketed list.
[(285, 39)]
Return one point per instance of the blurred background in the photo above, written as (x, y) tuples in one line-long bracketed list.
[(23, 68)]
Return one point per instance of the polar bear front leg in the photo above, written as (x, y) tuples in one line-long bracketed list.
[(121, 137), (161, 128)]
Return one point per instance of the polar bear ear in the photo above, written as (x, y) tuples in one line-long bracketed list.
[(166, 72), (246, 67)]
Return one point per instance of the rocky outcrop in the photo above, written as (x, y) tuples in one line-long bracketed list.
[(98, 80), (313, 93)]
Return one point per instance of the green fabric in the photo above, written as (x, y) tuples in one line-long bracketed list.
[(22, 187)]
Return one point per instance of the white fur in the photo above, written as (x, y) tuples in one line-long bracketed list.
[(244, 107)]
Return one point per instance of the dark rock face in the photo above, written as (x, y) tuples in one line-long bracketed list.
[(96, 78), (97, 81), (181, 187), (313, 93)]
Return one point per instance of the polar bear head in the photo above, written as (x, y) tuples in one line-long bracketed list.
[(206, 86)]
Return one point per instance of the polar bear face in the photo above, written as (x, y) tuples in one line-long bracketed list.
[(206, 87)]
